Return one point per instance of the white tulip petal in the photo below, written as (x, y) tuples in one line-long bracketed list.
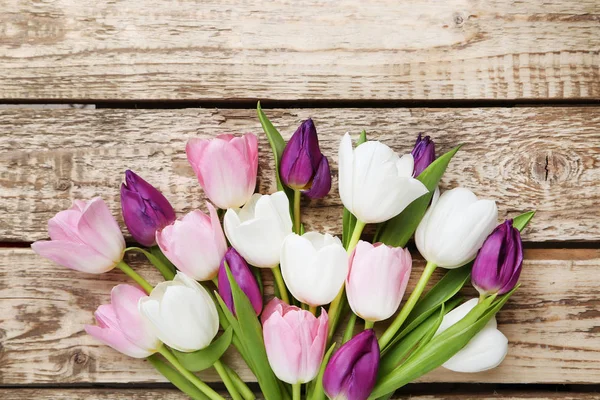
[(406, 165), (485, 351), (346, 171), (459, 313)]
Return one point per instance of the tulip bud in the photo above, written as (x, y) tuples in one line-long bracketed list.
[(85, 238), (352, 371), (377, 279), (122, 327), (314, 267), (498, 265), (303, 166), (226, 167), (423, 153), (295, 341), (243, 277), (182, 313), (145, 209)]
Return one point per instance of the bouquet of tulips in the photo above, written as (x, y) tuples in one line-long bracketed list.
[(213, 265)]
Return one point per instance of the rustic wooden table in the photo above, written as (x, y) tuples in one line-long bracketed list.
[(518, 82)]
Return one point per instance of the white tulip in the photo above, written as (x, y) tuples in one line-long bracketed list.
[(258, 229), (375, 183), (314, 267), (182, 313), (455, 227), (486, 350)]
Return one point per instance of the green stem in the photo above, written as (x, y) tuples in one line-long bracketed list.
[(349, 332), (207, 390), (166, 272), (369, 324), (296, 388), (280, 284), (231, 388), (122, 265), (389, 333), (215, 280), (358, 228), (297, 216), (481, 298), (241, 386), (313, 310)]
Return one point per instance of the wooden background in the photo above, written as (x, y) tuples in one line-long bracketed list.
[(518, 82)]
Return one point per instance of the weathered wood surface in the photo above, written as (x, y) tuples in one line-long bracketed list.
[(546, 159), (350, 49), (552, 323)]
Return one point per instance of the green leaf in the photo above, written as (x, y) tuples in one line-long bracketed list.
[(317, 391), (205, 358), (176, 378), (397, 231), (252, 337), (258, 277), (349, 220), (521, 221), (429, 334)]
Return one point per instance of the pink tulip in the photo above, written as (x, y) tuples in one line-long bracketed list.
[(295, 341), (226, 168), (377, 280), (122, 327), (85, 238), (195, 244)]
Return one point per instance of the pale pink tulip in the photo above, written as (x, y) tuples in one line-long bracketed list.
[(295, 341), (195, 244), (377, 280), (85, 238), (122, 327), (226, 167)]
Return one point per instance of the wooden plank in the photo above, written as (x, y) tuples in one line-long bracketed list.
[(456, 49), (546, 159), (551, 322)]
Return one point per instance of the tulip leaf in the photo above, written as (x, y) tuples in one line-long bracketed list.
[(521, 221), (349, 220), (157, 252), (252, 337), (205, 358), (228, 320), (397, 231), (181, 382), (317, 385)]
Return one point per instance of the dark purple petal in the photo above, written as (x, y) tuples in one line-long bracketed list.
[(423, 154), (321, 184), (243, 276)]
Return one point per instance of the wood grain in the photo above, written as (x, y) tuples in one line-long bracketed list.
[(547, 159), (349, 49), (552, 324)]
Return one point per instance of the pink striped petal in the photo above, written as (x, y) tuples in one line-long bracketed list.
[(72, 255), (99, 229)]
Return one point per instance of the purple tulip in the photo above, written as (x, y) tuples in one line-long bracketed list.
[(498, 265), (145, 209), (243, 277), (423, 153), (352, 371), (303, 166)]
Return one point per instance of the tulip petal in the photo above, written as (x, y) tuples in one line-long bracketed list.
[(99, 230), (321, 184), (117, 341), (346, 172), (283, 351), (485, 351), (63, 226), (405, 165), (79, 257)]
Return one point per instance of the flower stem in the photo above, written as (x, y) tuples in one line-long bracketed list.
[(349, 332), (389, 333), (166, 272), (227, 380), (122, 265), (241, 386), (280, 284), (207, 390), (297, 216), (296, 388), (369, 324), (358, 228), (313, 310)]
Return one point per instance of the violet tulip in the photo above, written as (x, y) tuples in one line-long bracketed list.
[(423, 153), (352, 371), (145, 209), (498, 265), (226, 167), (303, 166), (240, 271), (195, 244), (377, 280), (295, 341), (86, 238), (121, 325)]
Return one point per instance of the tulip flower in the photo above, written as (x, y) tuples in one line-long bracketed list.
[(145, 209), (455, 227), (314, 267), (122, 327), (258, 229), (375, 184), (195, 244), (423, 153), (295, 341), (226, 167), (498, 265), (377, 279), (352, 371), (303, 166), (243, 277), (85, 238), (182, 313), (486, 350)]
